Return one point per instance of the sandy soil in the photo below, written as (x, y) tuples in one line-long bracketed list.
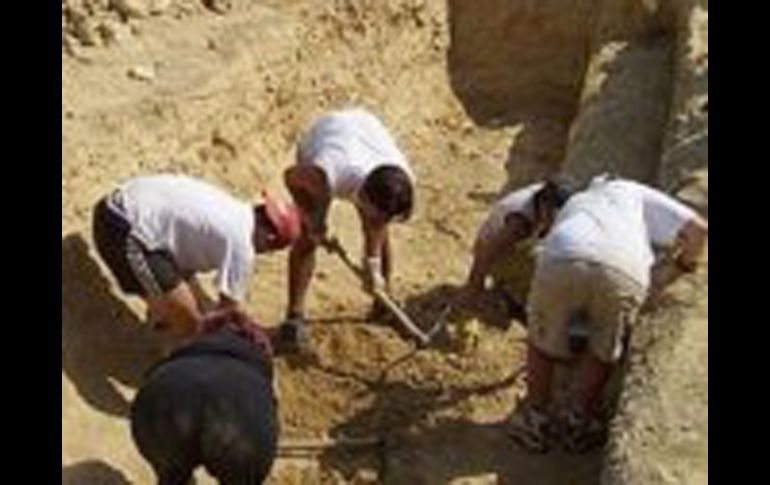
[(220, 90)]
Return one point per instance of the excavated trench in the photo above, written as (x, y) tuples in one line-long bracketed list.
[(484, 96)]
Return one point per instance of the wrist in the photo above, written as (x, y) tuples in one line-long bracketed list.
[(373, 265)]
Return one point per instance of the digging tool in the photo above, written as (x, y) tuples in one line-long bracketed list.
[(317, 445), (402, 317), (333, 245)]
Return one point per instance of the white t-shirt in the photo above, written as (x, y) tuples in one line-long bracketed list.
[(617, 223), (348, 145), (520, 201), (202, 226)]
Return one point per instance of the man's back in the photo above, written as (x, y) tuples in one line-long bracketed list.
[(616, 222), (348, 145), (197, 222)]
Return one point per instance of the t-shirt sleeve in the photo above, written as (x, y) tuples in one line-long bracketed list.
[(664, 215), (233, 276)]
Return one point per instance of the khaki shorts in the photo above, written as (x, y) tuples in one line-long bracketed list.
[(610, 299)]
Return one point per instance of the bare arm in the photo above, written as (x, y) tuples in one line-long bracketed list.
[(301, 267), (690, 245), (310, 191), (387, 257), (692, 241), (377, 248), (486, 254)]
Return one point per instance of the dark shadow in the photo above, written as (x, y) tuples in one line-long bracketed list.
[(537, 151), (102, 339), (622, 122), (509, 58), (482, 197), (458, 448), (399, 404), (92, 472), (427, 308), (442, 227), (341, 319), (417, 449)]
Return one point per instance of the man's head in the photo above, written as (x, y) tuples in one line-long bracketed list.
[(277, 224), (387, 194), (547, 201)]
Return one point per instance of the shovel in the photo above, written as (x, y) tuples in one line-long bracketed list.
[(333, 245)]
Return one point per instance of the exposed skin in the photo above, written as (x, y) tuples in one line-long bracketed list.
[(181, 311), (376, 237), (310, 190), (488, 253), (690, 245)]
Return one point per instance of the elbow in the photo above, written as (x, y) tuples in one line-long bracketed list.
[(695, 234)]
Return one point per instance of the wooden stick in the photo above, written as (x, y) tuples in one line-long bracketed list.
[(315, 444)]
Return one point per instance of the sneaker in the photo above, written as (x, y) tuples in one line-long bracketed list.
[(582, 433), (529, 428)]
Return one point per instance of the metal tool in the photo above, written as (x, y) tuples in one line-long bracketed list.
[(333, 245)]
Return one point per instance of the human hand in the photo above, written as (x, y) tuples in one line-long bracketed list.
[(375, 281)]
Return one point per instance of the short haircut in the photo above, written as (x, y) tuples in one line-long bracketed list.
[(390, 190), (553, 194)]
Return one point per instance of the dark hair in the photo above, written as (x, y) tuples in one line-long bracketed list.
[(390, 190), (262, 222), (552, 193)]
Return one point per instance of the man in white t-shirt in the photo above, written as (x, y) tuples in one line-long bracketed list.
[(346, 155), (155, 232), (500, 248), (598, 259)]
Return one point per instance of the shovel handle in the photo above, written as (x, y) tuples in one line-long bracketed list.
[(402, 317)]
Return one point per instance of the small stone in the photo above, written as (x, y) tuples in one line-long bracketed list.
[(157, 7), (132, 8), (141, 73), (112, 32), (485, 479), (365, 477), (83, 29), (218, 6)]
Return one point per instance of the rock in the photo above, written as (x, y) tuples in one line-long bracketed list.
[(365, 477), (82, 28), (485, 479), (159, 6), (142, 73), (218, 6), (132, 8), (112, 32), (469, 335)]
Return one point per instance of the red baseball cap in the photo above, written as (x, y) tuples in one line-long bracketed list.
[(285, 217)]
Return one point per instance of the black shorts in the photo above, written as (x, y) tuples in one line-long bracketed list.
[(138, 270), (210, 403)]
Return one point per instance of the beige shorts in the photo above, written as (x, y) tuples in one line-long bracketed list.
[(610, 299)]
